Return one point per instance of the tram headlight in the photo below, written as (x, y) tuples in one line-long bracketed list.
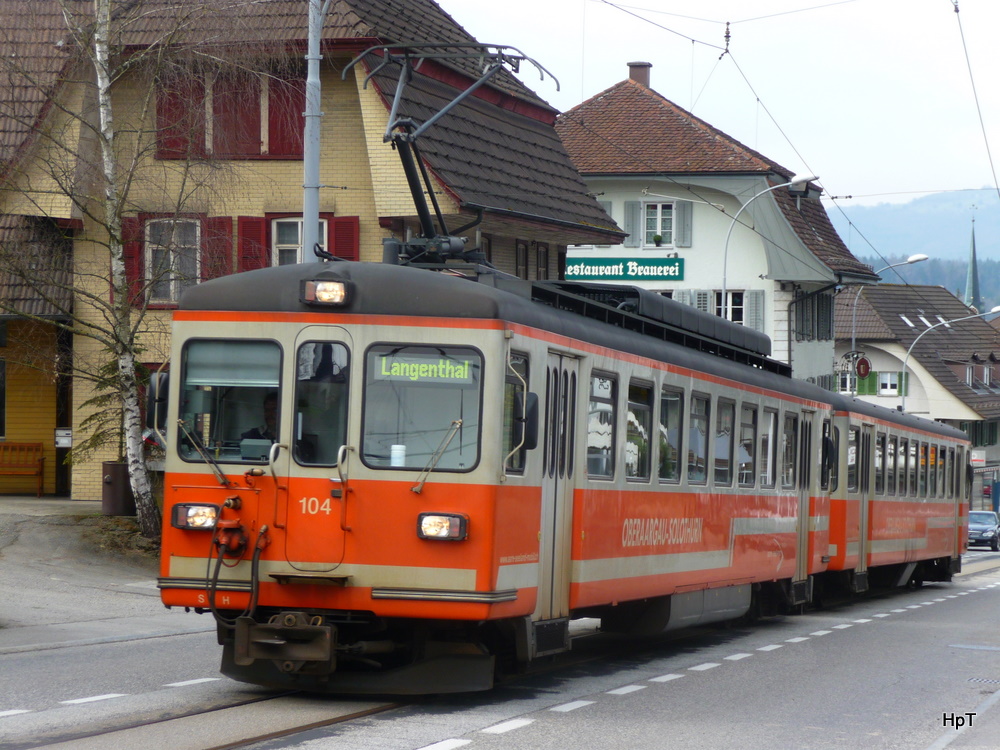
[(194, 516), (451, 527), (325, 292)]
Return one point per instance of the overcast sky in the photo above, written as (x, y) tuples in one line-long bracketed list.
[(874, 96)]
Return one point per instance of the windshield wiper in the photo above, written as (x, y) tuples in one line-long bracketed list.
[(422, 477), (216, 469)]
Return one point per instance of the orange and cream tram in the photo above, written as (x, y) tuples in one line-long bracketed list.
[(383, 478)]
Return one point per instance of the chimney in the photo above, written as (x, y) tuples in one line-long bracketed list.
[(639, 72)]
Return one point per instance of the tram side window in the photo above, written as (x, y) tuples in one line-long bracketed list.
[(601, 420), (902, 461), (880, 463), (517, 376), (853, 440), (913, 466), (922, 469), (421, 405), (671, 417), (952, 487), (637, 431), (230, 400), (697, 462), (831, 457), (321, 381), (789, 446), (940, 470), (890, 465), (931, 470), (769, 449), (746, 467), (724, 417)]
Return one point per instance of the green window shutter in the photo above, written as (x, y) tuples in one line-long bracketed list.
[(868, 386), (682, 223), (904, 383), (633, 224)]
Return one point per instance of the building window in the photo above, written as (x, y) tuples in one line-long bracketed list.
[(846, 381), (521, 259), (888, 384), (659, 220), (286, 241), (735, 306), (541, 261), (172, 255)]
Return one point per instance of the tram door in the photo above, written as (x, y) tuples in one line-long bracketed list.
[(557, 487), (867, 488), (318, 404), (806, 478)]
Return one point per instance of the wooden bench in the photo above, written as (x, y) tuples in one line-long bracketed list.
[(23, 459)]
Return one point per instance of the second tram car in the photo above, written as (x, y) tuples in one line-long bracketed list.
[(383, 479)]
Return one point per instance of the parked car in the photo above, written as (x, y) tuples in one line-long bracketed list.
[(984, 528)]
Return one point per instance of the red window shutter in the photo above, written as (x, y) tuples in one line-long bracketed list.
[(236, 115), (285, 121), (180, 118), (344, 239), (253, 252), (132, 243), (216, 247)]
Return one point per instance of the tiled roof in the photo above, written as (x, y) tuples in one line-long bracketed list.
[(631, 129), (937, 351), (509, 162), (30, 250), (31, 56), (811, 223)]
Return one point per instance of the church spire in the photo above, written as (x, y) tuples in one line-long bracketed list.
[(972, 296)]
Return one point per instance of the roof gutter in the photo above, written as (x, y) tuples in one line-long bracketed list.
[(610, 233)]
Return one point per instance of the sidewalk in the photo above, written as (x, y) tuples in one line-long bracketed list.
[(58, 590), (27, 505)]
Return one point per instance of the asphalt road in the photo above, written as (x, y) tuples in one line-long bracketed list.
[(86, 647)]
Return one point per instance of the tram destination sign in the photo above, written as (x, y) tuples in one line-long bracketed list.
[(423, 369), (625, 269)]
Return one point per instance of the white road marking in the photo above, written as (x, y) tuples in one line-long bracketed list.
[(666, 678), (508, 726), (192, 682), (772, 647), (447, 745), (797, 640), (737, 657), (843, 626), (566, 707), (14, 712), (704, 667), (626, 690), (862, 620), (883, 614), (822, 632), (94, 698)]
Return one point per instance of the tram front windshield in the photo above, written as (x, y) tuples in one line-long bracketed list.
[(232, 401), (421, 402)]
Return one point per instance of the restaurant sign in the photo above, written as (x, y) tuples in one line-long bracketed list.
[(625, 269)]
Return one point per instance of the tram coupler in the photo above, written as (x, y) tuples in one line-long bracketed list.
[(294, 641), (230, 537)]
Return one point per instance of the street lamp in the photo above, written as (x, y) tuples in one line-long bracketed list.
[(854, 311), (906, 359), (796, 180)]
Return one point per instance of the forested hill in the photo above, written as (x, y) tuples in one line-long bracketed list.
[(950, 274)]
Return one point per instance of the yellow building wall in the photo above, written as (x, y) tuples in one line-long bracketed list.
[(30, 357)]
